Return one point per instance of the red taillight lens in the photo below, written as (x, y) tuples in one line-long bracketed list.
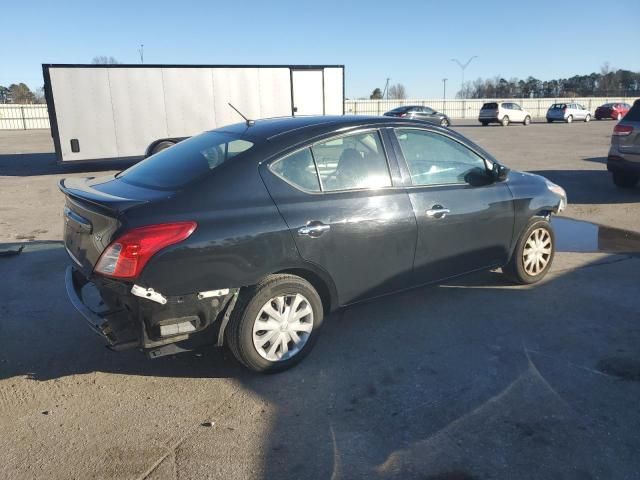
[(126, 256), (622, 130)]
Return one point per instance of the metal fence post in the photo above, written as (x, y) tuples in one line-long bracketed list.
[(24, 121)]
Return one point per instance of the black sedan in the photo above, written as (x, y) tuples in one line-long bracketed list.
[(250, 234), (420, 113)]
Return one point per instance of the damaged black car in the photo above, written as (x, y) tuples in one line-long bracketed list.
[(248, 235)]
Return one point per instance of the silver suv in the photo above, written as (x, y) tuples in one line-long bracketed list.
[(623, 160), (567, 112), (503, 113)]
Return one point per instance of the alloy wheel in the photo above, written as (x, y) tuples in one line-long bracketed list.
[(282, 327), (537, 252)]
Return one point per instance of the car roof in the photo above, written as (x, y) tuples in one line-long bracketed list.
[(272, 128)]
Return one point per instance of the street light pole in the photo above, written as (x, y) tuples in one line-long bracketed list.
[(141, 51), (463, 67), (444, 88)]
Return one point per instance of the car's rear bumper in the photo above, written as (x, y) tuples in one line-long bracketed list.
[(125, 320), (623, 163)]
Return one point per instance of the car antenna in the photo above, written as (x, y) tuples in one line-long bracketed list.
[(248, 121)]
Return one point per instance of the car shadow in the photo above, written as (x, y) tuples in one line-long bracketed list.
[(474, 378), (590, 186), (32, 164)]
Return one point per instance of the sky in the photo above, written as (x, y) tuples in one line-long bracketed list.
[(410, 42)]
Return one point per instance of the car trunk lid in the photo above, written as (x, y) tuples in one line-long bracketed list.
[(92, 214)]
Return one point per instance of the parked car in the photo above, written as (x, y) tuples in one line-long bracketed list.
[(420, 113), (623, 160), (567, 112), (615, 111), (503, 113), (250, 234)]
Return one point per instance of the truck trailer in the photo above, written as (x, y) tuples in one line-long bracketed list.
[(125, 112)]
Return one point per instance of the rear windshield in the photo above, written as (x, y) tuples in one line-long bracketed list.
[(186, 161), (633, 115), (490, 106), (558, 106)]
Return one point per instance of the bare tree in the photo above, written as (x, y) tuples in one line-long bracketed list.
[(397, 92), (104, 60)]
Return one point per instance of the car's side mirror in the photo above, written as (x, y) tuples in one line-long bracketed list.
[(500, 172)]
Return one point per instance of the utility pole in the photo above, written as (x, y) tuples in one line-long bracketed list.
[(386, 89), (141, 52), (444, 88), (463, 67)]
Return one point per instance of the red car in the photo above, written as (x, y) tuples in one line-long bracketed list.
[(614, 111)]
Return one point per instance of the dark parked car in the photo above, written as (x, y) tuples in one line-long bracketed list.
[(250, 234), (623, 160), (614, 111), (420, 113)]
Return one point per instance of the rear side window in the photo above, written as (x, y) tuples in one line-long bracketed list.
[(490, 106), (186, 161), (352, 162), (299, 170), (435, 159), (633, 115)]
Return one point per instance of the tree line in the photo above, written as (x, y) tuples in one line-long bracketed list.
[(606, 83)]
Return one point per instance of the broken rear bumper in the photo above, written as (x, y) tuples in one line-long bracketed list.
[(127, 316), (101, 320)]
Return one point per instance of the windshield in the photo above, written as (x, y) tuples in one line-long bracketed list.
[(186, 161)]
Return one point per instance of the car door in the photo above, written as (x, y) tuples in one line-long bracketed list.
[(465, 220), (345, 214), (518, 114)]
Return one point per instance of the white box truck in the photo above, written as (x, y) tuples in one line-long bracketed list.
[(103, 112)]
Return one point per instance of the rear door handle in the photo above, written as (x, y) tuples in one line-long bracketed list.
[(314, 229), (438, 212)]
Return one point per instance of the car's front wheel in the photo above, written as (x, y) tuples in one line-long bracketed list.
[(275, 324), (527, 120), (587, 118), (533, 254)]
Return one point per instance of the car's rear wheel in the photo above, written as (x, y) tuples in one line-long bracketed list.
[(569, 119), (505, 121), (587, 118), (533, 254), (625, 180), (484, 124), (444, 122), (158, 147), (549, 120), (527, 120), (275, 324)]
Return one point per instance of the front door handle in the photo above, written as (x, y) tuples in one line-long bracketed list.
[(438, 212), (314, 229)]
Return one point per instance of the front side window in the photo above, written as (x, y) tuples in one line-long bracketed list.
[(352, 162), (299, 170), (515, 106), (435, 159)]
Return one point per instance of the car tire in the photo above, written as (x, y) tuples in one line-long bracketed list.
[(484, 124), (598, 118), (444, 122), (158, 147), (527, 120), (243, 338), (587, 118), (549, 120), (505, 121), (569, 119), (625, 180), (530, 260)]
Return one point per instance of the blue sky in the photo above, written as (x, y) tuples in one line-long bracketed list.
[(410, 41)]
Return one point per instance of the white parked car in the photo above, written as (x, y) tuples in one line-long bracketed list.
[(568, 112), (503, 113)]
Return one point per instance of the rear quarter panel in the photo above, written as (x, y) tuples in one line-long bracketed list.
[(240, 238)]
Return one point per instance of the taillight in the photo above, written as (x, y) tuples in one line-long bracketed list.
[(622, 130), (127, 255)]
